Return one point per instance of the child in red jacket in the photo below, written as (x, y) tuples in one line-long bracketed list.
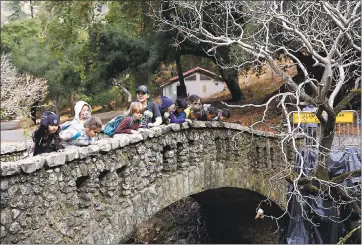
[(132, 119)]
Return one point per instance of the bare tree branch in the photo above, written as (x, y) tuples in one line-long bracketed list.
[(258, 32), (18, 91)]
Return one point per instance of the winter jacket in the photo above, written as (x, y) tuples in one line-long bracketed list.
[(181, 115), (123, 127), (173, 119), (45, 143), (76, 135), (188, 111), (152, 115)]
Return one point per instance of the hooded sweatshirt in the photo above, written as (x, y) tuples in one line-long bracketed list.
[(75, 134), (77, 109)]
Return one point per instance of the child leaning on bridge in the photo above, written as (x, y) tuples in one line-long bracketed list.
[(193, 100), (169, 114), (212, 114), (132, 119), (79, 135), (181, 105), (46, 137), (224, 114)]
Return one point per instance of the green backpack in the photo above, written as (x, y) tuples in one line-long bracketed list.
[(112, 125)]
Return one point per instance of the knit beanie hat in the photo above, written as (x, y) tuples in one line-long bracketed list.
[(165, 103), (49, 118), (181, 103)]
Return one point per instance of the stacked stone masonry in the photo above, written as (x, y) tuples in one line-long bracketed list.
[(100, 193), (14, 152)]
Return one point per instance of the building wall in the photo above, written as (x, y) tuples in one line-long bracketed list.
[(201, 87)]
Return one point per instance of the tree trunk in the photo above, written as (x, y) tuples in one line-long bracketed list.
[(33, 111), (71, 103), (232, 81), (326, 142), (31, 10), (183, 90), (57, 105)]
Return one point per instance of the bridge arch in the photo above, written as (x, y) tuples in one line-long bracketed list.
[(99, 193)]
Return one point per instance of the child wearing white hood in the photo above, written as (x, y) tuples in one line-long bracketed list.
[(82, 111)]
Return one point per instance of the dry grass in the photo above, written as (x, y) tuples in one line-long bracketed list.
[(247, 117), (256, 85)]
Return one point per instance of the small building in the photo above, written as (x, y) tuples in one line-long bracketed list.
[(198, 81)]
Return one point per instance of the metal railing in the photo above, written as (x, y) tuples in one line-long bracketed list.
[(347, 131)]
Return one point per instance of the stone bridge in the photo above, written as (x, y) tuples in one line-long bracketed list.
[(100, 193)]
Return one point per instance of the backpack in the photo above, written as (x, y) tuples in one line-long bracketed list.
[(112, 125), (66, 125)]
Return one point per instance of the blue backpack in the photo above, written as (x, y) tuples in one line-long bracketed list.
[(112, 125), (67, 125)]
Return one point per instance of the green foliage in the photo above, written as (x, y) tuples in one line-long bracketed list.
[(76, 52), (105, 97), (126, 14), (14, 32), (68, 23), (115, 53), (32, 57), (238, 56)]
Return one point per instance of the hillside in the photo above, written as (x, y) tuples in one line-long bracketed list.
[(256, 84)]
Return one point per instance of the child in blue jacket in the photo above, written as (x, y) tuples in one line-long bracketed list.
[(169, 108)]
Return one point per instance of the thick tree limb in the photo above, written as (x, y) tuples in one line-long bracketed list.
[(344, 239), (351, 95), (341, 178)]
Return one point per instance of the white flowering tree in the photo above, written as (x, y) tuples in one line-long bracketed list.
[(260, 32), (18, 91)]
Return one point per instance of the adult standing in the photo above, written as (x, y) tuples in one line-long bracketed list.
[(151, 116)]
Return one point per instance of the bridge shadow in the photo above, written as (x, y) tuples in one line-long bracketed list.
[(223, 215), (230, 216)]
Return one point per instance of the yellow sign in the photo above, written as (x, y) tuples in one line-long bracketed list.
[(310, 117)]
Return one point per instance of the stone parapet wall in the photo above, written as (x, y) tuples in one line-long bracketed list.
[(99, 193), (15, 152)]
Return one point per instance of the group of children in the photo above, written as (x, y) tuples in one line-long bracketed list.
[(144, 113), (162, 110), (51, 136)]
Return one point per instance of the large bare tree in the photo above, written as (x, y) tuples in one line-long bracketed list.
[(260, 32), (18, 91)]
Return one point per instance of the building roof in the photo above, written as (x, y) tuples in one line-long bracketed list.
[(191, 72)]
